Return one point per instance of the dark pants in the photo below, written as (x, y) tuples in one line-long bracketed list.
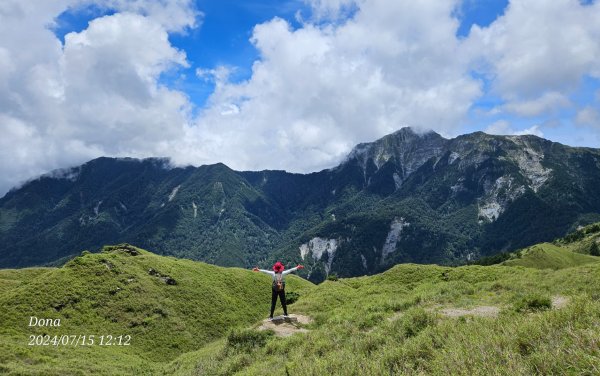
[(281, 295)]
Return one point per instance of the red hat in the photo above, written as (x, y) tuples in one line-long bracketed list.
[(278, 267)]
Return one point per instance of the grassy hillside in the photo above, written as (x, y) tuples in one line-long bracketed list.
[(189, 318), (572, 250), (430, 320), (168, 306), (550, 256)]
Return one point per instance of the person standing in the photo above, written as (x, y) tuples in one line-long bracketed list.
[(278, 287)]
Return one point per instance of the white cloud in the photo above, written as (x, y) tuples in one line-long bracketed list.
[(588, 116), (320, 89), (219, 76), (539, 46), (98, 94), (549, 102), (332, 9), (111, 72), (537, 55), (356, 70), (533, 130), (502, 127), (172, 15)]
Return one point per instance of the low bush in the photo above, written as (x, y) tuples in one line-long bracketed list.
[(415, 320), (594, 249), (291, 297), (246, 340), (533, 302)]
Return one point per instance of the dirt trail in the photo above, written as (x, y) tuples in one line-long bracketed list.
[(482, 311), (284, 327), (559, 302)]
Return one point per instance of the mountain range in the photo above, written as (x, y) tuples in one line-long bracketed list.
[(407, 197)]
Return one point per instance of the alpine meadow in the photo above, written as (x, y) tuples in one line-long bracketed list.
[(535, 313), (299, 187)]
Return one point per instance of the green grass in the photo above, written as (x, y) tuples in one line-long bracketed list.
[(550, 256), (389, 323), (392, 324), (116, 293), (10, 279)]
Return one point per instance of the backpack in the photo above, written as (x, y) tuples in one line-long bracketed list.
[(278, 284)]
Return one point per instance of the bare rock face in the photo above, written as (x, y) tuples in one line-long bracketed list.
[(319, 247), (497, 197), (529, 159), (408, 150), (396, 227)]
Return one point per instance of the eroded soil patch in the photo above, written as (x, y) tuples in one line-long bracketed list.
[(284, 327), (482, 311)]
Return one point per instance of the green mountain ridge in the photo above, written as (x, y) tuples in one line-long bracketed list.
[(549, 256), (191, 318), (578, 248), (407, 197)]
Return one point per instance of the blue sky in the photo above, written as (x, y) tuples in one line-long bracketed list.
[(223, 38), (478, 12), (226, 27), (294, 85)]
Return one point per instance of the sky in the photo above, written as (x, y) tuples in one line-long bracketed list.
[(285, 84)]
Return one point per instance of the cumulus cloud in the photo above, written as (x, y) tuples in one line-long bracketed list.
[(547, 103), (588, 116), (502, 127), (320, 89), (353, 71), (539, 48), (172, 15), (332, 9), (99, 94), (111, 92)]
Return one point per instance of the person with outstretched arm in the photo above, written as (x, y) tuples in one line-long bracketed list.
[(278, 274)]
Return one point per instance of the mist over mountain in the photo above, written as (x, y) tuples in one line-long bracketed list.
[(406, 197)]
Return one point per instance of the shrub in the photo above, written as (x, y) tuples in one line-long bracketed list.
[(291, 297), (492, 260), (415, 320), (574, 236), (533, 302), (594, 250), (454, 290), (332, 277), (368, 321), (246, 340), (401, 304), (593, 229)]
